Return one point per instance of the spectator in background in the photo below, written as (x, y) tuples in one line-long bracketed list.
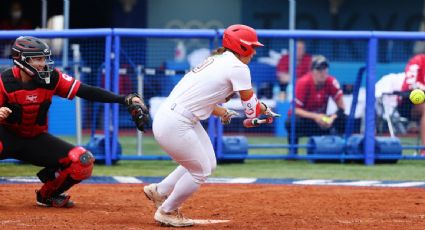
[(282, 69), (14, 22), (311, 97), (415, 79)]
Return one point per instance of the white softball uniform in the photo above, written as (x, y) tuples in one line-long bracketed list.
[(177, 129)]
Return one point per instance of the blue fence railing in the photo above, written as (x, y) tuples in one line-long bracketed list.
[(114, 39)]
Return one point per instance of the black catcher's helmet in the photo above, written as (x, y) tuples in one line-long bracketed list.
[(24, 48)]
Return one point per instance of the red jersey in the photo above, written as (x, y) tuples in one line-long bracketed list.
[(30, 102), (20, 25), (313, 99), (415, 73), (303, 66)]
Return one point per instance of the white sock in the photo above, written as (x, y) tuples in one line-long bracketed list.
[(167, 184), (184, 188)]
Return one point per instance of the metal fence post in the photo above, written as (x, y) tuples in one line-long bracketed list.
[(107, 106), (369, 139), (115, 89)]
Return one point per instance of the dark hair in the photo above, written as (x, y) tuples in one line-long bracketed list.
[(221, 50), (319, 62), (218, 51)]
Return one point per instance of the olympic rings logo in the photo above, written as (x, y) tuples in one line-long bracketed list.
[(194, 43), (194, 24)]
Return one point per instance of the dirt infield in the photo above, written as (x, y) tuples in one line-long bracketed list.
[(123, 206)]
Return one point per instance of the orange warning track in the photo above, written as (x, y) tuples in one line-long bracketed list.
[(123, 206)]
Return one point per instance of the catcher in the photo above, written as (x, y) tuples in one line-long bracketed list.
[(26, 94)]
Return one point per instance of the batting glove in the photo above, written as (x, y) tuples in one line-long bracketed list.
[(227, 117), (269, 112)]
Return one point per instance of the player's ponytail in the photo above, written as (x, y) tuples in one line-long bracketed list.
[(218, 51)]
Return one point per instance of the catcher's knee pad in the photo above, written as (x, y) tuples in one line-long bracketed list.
[(82, 162), (78, 166)]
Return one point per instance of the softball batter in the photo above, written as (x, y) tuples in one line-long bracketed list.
[(177, 126)]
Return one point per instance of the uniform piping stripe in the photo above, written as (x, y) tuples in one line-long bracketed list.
[(298, 102), (71, 89), (338, 93)]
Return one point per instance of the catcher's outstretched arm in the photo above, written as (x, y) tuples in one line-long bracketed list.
[(93, 93), (135, 104)]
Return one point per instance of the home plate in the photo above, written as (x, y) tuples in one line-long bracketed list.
[(209, 221)]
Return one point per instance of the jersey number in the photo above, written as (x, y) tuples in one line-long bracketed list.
[(203, 65)]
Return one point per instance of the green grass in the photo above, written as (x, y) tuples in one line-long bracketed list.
[(403, 170)]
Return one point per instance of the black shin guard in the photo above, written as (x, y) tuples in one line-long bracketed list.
[(46, 174), (67, 184)]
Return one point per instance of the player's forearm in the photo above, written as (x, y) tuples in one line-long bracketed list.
[(219, 111), (305, 114), (340, 103), (249, 99), (93, 93)]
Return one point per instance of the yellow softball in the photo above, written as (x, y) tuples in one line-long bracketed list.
[(326, 119), (417, 96)]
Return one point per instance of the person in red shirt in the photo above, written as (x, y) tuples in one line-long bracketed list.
[(26, 92), (415, 79), (282, 68), (312, 92)]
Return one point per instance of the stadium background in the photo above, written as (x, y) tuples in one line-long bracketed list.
[(353, 15), (347, 56), (311, 14)]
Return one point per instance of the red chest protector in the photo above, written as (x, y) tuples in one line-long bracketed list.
[(29, 104)]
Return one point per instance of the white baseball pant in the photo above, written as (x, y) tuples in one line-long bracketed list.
[(186, 142)]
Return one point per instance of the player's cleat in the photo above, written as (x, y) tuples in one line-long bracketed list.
[(59, 201), (174, 218), (152, 194)]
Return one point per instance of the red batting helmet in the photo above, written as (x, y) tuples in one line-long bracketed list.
[(240, 39)]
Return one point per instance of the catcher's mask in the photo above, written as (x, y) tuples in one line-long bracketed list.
[(25, 49)]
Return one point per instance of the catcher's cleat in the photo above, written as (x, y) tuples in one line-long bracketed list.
[(174, 218), (59, 201), (152, 194)]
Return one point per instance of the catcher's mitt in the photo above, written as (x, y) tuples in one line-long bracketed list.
[(138, 111)]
